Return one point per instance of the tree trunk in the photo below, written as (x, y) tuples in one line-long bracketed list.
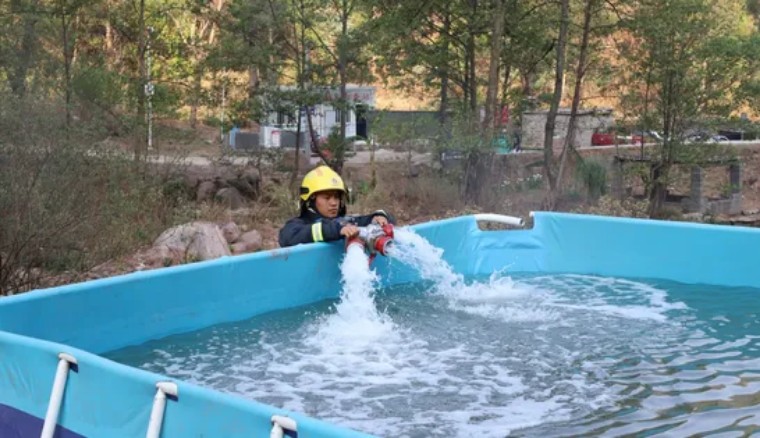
[(551, 117), (527, 83), (491, 110), (443, 109), (253, 90), (141, 143), (253, 82), (473, 83), (109, 37), (661, 168), (24, 53), (66, 61), (196, 96), (505, 86), (300, 46), (253, 75), (466, 81), (314, 142), (297, 155), (659, 190), (342, 76), (580, 72)]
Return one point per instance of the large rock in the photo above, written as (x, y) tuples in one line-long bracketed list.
[(238, 248), (161, 255), (196, 240), (231, 232), (249, 242), (205, 191), (247, 182), (230, 197)]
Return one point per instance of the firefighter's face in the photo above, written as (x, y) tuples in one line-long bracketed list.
[(328, 203)]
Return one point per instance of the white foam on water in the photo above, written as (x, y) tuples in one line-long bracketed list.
[(542, 298), (557, 348), (398, 387), (365, 371), (607, 296), (500, 298), (495, 298)]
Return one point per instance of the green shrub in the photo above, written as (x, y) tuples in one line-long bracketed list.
[(593, 177), (67, 204)]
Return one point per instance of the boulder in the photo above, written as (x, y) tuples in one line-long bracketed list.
[(230, 197), (249, 242), (205, 191), (238, 248), (231, 232), (247, 182), (195, 240), (161, 255)]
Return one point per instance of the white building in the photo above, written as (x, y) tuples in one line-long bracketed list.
[(324, 117)]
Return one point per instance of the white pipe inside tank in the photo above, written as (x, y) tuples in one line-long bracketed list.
[(159, 404), (56, 396), (500, 218), (280, 424)]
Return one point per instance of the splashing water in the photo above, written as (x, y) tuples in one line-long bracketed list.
[(536, 299), (414, 250), (499, 296), (356, 327)]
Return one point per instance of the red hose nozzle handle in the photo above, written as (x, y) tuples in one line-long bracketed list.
[(388, 230)]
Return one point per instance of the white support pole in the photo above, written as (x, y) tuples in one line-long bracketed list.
[(280, 424), (56, 396), (159, 403), (500, 218)]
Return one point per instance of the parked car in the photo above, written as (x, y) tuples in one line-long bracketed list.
[(602, 138), (718, 138), (647, 136), (705, 137), (732, 134)]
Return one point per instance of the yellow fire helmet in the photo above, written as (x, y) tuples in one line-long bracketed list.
[(320, 179)]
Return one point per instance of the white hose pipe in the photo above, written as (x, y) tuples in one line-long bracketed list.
[(159, 404), (500, 218), (56, 395), (280, 424)]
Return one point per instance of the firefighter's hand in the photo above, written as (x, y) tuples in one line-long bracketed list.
[(349, 230), (380, 220)]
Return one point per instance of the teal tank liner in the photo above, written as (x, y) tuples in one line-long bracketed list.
[(103, 398)]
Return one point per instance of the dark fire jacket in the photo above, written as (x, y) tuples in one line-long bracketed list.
[(312, 227)]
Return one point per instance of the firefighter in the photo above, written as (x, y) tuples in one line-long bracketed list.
[(323, 212)]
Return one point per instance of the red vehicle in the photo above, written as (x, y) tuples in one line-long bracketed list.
[(602, 138)]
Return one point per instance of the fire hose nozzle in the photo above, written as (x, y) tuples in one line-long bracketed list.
[(382, 244), (376, 238)]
